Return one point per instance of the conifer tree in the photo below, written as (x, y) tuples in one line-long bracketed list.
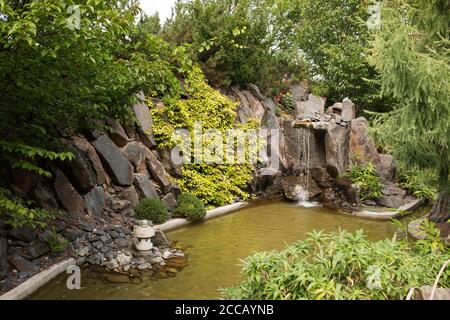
[(412, 54)]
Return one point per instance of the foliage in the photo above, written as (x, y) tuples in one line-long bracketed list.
[(341, 266), (190, 207), (19, 212), (334, 37), (411, 53), (152, 209), (421, 183), (286, 101), (54, 242), (367, 179), (214, 184), (234, 41)]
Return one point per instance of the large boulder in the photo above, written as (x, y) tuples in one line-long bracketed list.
[(304, 146), (95, 201), (157, 170), (300, 91), (337, 149), (387, 166), (82, 144), (170, 201), (135, 153), (118, 134), (79, 169), (23, 265), (255, 92), (119, 167), (348, 113), (293, 184), (68, 195), (144, 186), (392, 196), (4, 261), (362, 146), (45, 196), (244, 111), (145, 121), (308, 109), (256, 106)]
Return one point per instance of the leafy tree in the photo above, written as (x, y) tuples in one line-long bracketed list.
[(150, 24), (66, 64), (334, 38), (233, 40), (411, 53)]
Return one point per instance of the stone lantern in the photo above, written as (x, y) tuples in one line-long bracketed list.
[(143, 234)]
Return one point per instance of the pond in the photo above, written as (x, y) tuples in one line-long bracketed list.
[(215, 249)]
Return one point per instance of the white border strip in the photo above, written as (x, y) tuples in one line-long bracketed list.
[(411, 206), (179, 223), (34, 283)]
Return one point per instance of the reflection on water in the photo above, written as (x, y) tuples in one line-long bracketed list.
[(216, 247)]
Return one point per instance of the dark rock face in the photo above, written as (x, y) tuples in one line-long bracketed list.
[(25, 180), (82, 144), (4, 261), (300, 141), (393, 196), (308, 109), (256, 106), (157, 170), (160, 240), (135, 153), (22, 234), (362, 146), (45, 196), (337, 149), (300, 91), (118, 134), (68, 195), (145, 122), (80, 170), (348, 110), (387, 166), (119, 167), (144, 186), (170, 201), (38, 249), (23, 265), (95, 201)]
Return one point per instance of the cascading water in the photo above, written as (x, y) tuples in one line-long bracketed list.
[(302, 191)]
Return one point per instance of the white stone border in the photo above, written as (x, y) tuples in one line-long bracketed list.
[(34, 283), (387, 215), (41, 279), (217, 212)]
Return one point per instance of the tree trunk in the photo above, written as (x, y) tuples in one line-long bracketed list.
[(441, 209)]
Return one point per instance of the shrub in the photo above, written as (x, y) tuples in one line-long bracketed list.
[(190, 207), (341, 266), (367, 179), (56, 244), (152, 209)]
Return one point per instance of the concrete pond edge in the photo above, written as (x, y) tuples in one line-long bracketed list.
[(387, 215), (42, 278)]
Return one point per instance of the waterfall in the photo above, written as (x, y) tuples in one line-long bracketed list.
[(302, 191)]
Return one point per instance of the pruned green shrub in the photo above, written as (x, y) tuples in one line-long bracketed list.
[(190, 207), (342, 266), (152, 209), (366, 178)]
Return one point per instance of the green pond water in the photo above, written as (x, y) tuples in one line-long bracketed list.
[(215, 249)]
